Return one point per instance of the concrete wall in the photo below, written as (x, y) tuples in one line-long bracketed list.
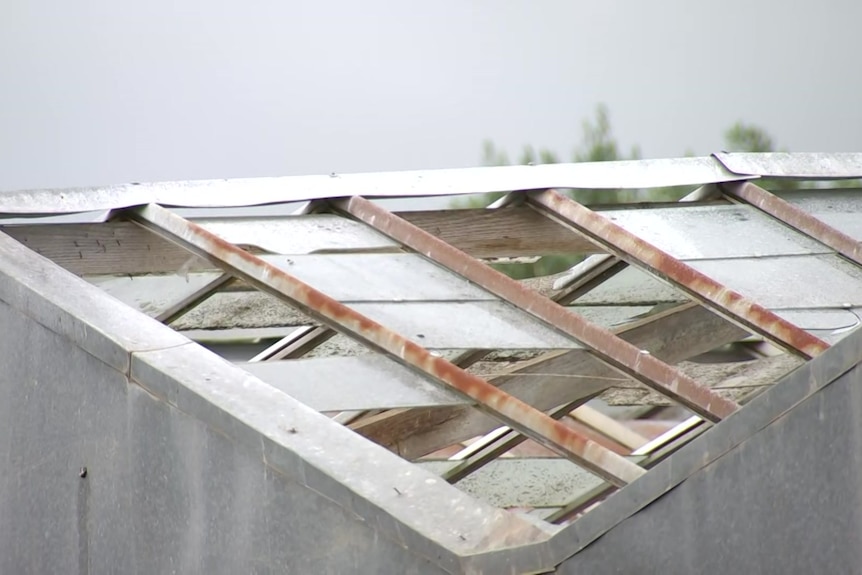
[(788, 499)]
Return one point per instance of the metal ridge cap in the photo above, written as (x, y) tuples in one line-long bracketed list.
[(798, 165), (625, 174)]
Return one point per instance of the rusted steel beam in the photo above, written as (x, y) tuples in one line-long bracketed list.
[(275, 281), (717, 297), (797, 219), (606, 346), (597, 269), (672, 335)]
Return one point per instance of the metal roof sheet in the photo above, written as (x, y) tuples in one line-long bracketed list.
[(257, 191)]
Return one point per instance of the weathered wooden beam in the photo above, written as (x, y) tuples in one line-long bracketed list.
[(120, 247), (508, 232), (108, 248), (673, 336)]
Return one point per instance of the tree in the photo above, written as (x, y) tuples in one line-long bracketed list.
[(742, 137)]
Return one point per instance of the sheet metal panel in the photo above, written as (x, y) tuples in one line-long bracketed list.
[(379, 277), (465, 325), (257, 191), (700, 232), (805, 166), (299, 234), (96, 217), (840, 209), (352, 383), (796, 218), (819, 281), (237, 334)]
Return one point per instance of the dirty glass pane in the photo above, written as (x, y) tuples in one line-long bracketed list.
[(841, 209), (714, 231), (298, 234), (379, 277), (352, 383), (789, 281), (465, 325)]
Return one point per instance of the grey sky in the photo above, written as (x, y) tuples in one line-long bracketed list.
[(97, 92)]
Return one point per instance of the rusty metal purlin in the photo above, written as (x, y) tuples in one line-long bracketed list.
[(510, 410), (715, 296), (797, 219), (607, 347)]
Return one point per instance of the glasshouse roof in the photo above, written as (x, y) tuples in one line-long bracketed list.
[(392, 352)]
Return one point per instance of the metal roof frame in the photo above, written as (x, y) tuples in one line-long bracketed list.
[(590, 351)]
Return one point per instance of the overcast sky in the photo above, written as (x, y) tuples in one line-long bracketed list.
[(101, 91)]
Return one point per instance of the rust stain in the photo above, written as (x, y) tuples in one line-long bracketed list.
[(796, 218), (720, 298), (516, 413), (606, 346)]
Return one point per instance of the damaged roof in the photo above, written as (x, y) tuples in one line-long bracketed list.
[(394, 325)]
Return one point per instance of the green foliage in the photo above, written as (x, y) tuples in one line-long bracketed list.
[(742, 137), (598, 143)]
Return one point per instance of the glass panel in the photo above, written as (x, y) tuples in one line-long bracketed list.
[(841, 209), (152, 294), (379, 277), (700, 232), (790, 282), (352, 383), (299, 234), (465, 325)]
